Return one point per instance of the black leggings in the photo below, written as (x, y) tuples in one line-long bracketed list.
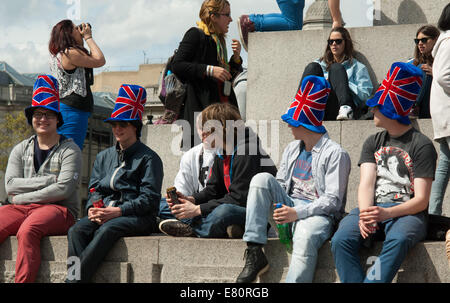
[(340, 90)]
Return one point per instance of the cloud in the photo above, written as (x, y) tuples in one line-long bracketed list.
[(124, 30)]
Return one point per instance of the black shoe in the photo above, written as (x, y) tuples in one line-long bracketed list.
[(176, 228), (255, 265), (235, 231)]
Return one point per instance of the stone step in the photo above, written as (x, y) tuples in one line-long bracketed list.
[(390, 12), (165, 259)]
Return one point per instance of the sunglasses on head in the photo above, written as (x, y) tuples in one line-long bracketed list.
[(423, 40), (338, 41)]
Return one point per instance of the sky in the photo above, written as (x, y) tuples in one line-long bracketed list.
[(128, 32)]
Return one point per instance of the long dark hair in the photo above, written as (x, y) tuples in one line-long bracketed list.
[(432, 32), (61, 38), (349, 52)]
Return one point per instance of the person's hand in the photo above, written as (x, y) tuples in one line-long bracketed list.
[(221, 74), (85, 31), (285, 214), (236, 46), (186, 209), (427, 69), (374, 214), (366, 228), (103, 215)]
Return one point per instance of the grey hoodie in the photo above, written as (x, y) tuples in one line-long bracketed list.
[(56, 182)]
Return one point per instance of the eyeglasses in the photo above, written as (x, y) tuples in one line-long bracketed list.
[(338, 41), (423, 40), (47, 115), (220, 14)]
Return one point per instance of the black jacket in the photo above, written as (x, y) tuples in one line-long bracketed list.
[(245, 164), (194, 53)]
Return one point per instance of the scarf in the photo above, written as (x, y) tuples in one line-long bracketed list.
[(221, 49)]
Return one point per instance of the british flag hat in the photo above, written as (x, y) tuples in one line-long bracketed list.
[(398, 92), (45, 95), (129, 104), (308, 107)]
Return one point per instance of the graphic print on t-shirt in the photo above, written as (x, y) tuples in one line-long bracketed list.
[(303, 184), (395, 176)]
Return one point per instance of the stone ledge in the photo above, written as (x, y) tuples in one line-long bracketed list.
[(165, 259)]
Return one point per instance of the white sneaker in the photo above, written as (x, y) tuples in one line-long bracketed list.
[(345, 113)]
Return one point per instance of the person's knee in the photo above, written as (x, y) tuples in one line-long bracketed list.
[(313, 69), (261, 180)]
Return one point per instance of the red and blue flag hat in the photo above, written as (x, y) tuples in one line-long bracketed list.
[(129, 104), (45, 95), (308, 107), (398, 92)]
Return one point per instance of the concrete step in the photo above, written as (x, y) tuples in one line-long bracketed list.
[(275, 136), (165, 259), (276, 61), (390, 12)]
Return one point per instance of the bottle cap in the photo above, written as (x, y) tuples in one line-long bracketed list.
[(279, 205)]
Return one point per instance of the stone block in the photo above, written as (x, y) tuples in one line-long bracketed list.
[(391, 12), (277, 60)]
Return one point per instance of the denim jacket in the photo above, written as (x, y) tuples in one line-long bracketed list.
[(330, 169), (358, 80)]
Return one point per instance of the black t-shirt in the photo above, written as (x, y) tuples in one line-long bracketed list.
[(399, 161), (40, 155)]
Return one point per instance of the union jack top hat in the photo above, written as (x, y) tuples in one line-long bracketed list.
[(45, 95), (129, 104), (308, 107), (397, 94)]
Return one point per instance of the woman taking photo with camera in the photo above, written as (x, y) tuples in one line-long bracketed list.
[(203, 64), (72, 65)]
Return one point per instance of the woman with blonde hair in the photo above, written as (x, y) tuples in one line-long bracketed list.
[(202, 62)]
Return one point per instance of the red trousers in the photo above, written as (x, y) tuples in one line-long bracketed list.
[(30, 223)]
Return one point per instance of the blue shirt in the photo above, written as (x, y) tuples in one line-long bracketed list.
[(303, 187)]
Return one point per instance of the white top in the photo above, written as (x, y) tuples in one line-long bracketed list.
[(187, 180)]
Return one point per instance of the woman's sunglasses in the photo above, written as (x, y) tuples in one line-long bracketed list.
[(338, 41), (423, 40)]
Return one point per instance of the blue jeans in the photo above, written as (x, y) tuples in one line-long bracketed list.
[(91, 242), (440, 179), (309, 234), (291, 17), (75, 124), (402, 234), (215, 224)]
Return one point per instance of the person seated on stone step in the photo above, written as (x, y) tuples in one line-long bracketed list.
[(311, 183), (426, 37), (127, 179), (350, 80), (201, 62), (387, 210), (291, 18), (194, 172), (42, 177), (218, 211), (440, 110)]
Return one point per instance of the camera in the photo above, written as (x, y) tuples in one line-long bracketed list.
[(80, 27)]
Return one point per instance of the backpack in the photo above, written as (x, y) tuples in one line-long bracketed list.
[(172, 94)]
